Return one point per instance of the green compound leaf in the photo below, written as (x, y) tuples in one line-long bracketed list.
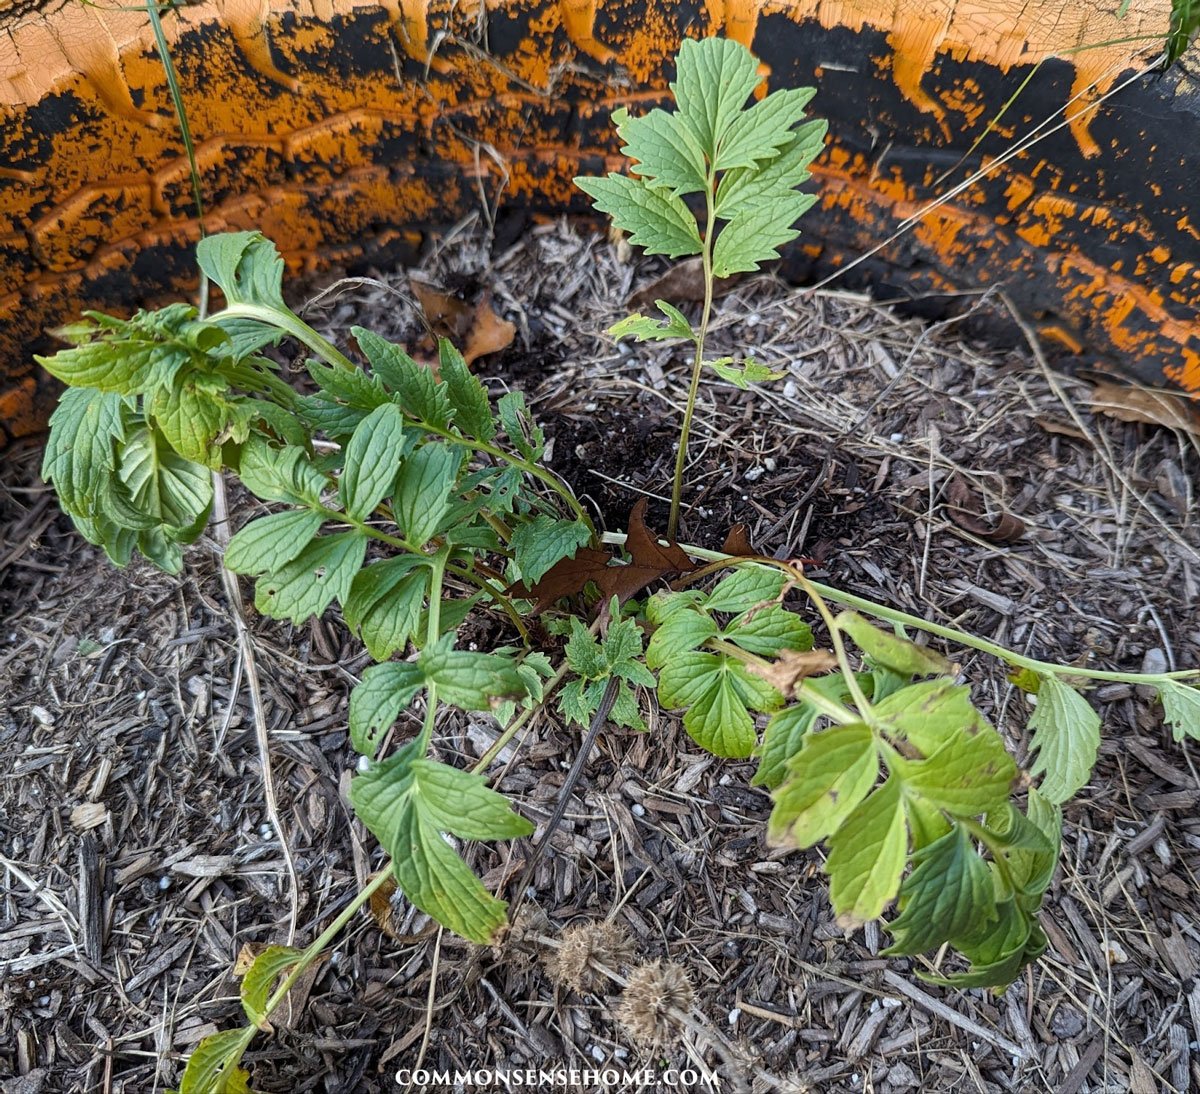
[(866, 857), (385, 603), (372, 459), (259, 981), (749, 188), (827, 779), (472, 411), (407, 803), (743, 375), (784, 735), (1066, 738), (714, 78), (667, 152), (308, 584), (1181, 708), (768, 631), (595, 662), (541, 542), (214, 1065), (763, 131), (755, 235), (418, 389), (654, 219), (646, 329), (194, 416), (423, 488), (269, 543), (80, 458), (681, 632), (891, 651), (717, 695), (280, 474), (948, 894)]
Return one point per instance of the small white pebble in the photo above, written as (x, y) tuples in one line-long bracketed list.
[(265, 831), (164, 883), (790, 390), (363, 765), (140, 695), (43, 1000), (734, 1015), (637, 809), (596, 1053), (754, 474), (896, 438), (769, 463)]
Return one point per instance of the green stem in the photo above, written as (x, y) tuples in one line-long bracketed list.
[(831, 708), (290, 324), (432, 633), (962, 638), (314, 950), (697, 366)]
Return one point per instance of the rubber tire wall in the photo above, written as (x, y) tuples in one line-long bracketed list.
[(349, 132)]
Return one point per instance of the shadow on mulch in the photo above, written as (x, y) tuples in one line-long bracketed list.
[(137, 859)]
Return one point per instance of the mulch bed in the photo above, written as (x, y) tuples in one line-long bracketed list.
[(136, 857)]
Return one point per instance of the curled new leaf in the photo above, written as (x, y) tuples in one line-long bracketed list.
[(890, 650)]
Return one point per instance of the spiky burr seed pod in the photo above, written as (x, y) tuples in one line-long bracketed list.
[(569, 964), (653, 993)]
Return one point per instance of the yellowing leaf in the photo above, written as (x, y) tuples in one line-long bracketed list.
[(827, 779), (866, 857), (1181, 709)]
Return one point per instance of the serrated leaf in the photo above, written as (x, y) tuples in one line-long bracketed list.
[(422, 497), (388, 798), (376, 702), (717, 694), (468, 679), (748, 188), (541, 542), (194, 417), (524, 434), (782, 739), (472, 411), (1181, 709), (665, 148), (927, 714), (826, 780), (654, 219), (743, 375), (280, 474), (308, 584), (755, 235), (461, 803), (948, 893), (745, 588), (714, 78), (372, 459), (162, 485), (258, 983), (385, 603), (646, 329), (80, 457), (1066, 738), (769, 631), (213, 1067), (866, 857), (885, 648), (681, 632), (764, 130), (970, 774), (245, 266), (270, 542), (418, 389)]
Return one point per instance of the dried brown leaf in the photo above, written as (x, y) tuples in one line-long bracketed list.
[(966, 510), (737, 542), (1142, 404), (792, 668)]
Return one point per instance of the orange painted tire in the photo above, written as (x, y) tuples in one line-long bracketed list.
[(346, 129)]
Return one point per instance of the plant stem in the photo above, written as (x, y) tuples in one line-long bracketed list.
[(290, 324), (697, 366), (432, 634), (962, 638)]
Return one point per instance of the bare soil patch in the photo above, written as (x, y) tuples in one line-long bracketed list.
[(135, 857)]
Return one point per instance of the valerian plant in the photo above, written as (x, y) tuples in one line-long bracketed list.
[(401, 494)]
